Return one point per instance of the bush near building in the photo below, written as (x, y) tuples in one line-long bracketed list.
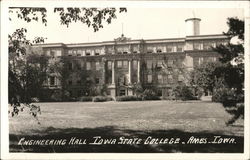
[(128, 98), (183, 92), (85, 99), (102, 99), (150, 94)]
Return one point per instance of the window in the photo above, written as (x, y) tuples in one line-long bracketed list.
[(70, 66), (109, 65), (74, 52), (201, 60), (78, 65), (122, 80), (135, 65), (150, 78), (122, 92), (159, 51), (88, 67), (79, 53), (197, 46), (92, 52), (87, 53), (119, 64), (52, 53), (78, 82), (213, 44), (70, 82), (97, 52), (125, 64), (170, 49), (180, 77), (83, 53), (52, 81), (159, 77), (149, 51), (170, 78), (82, 64), (110, 50), (97, 80), (125, 52), (135, 48), (97, 65), (179, 48), (159, 63), (196, 61), (149, 64), (170, 62), (70, 52), (207, 45), (58, 53), (48, 52)]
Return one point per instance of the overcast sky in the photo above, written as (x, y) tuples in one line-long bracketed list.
[(146, 23)]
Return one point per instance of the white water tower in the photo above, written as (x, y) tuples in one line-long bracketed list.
[(192, 26)]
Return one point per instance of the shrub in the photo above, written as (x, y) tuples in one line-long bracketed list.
[(102, 99), (56, 96), (35, 99), (183, 93), (228, 97), (149, 94), (128, 98), (85, 99)]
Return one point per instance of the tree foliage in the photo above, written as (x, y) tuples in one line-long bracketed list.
[(226, 77), (92, 17), (183, 92)]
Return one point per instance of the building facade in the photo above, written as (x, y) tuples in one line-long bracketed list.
[(114, 66)]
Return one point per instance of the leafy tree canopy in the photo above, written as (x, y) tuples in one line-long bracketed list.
[(92, 17)]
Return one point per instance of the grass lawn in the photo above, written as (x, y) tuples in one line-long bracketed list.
[(160, 119)]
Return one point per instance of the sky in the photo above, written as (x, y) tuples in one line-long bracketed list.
[(138, 23)]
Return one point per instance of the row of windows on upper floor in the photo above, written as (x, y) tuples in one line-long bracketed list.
[(163, 79), (97, 65), (196, 45), (123, 64)]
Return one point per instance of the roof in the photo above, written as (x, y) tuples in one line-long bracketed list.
[(136, 41)]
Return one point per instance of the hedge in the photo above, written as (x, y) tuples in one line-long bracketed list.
[(128, 98), (85, 99), (102, 99)]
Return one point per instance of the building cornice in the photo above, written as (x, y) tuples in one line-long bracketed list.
[(136, 41)]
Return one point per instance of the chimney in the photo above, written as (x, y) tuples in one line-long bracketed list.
[(192, 26)]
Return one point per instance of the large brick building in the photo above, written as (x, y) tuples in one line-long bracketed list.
[(117, 64)]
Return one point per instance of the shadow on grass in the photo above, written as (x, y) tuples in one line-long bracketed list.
[(115, 133)]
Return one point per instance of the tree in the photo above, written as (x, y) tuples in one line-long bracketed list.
[(183, 92), (232, 56), (225, 79), (92, 17), (205, 76)]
